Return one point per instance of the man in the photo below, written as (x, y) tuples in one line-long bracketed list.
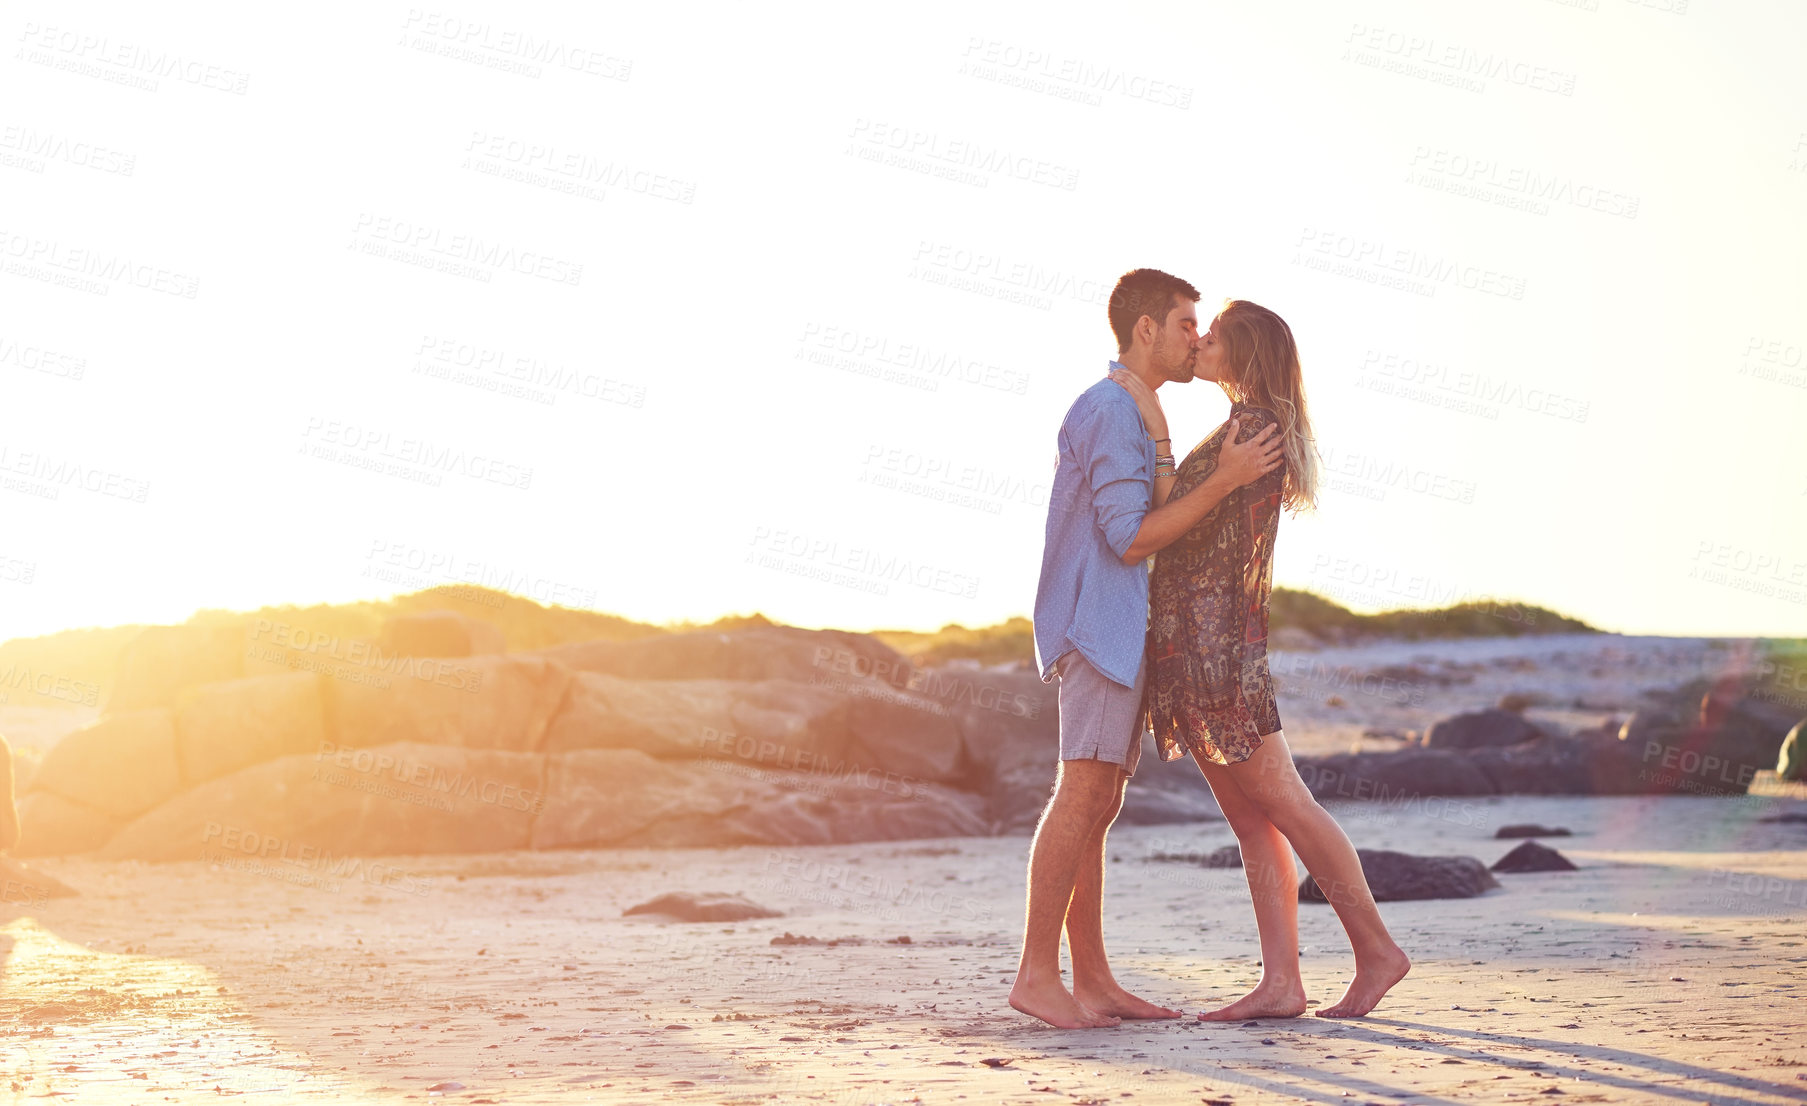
[(1091, 619)]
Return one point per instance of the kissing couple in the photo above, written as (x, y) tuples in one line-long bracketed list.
[(1181, 650)]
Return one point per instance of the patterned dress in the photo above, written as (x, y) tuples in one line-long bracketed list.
[(1208, 691)]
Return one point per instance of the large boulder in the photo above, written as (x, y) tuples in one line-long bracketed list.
[(313, 810), (1707, 737), (597, 797), (1397, 776), (491, 702), (1396, 877), (1479, 730), (911, 735), (622, 797), (1543, 766), (121, 766), (162, 662), (768, 723), (440, 634), (50, 825), (1010, 719), (223, 727), (760, 653)]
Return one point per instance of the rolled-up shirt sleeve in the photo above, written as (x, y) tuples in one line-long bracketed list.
[(1107, 443)]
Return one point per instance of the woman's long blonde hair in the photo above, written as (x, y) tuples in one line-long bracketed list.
[(1260, 351)]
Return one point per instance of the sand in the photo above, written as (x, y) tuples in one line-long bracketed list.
[(1671, 968)]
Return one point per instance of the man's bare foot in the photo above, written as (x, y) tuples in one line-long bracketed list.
[(1113, 1000), (1371, 981), (1051, 1003), (1267, 1000)]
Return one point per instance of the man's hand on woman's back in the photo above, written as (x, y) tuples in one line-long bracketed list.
[(1246, 462)]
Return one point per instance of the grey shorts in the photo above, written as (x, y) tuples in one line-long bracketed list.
[(1100, 719)]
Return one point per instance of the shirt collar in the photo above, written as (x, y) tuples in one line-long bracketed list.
[(1117, 365)]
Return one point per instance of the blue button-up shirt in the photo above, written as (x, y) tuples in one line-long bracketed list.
[(1088, 599)]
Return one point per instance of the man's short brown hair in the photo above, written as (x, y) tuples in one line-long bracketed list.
[(1142, 292)]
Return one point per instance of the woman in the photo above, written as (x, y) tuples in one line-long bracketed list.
[(1208, 691)]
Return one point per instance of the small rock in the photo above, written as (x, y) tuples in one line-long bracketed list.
[(1395, 877), (448, 1085), (1229, 856), (1530, 829), (702, 906)]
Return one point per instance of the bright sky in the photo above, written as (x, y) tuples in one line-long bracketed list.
[(673, 312)]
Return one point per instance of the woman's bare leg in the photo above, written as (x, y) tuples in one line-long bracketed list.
[(1267, 860), (1271, 781)]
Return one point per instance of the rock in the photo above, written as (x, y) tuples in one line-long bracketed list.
[(440, 634), (1529, 829), (1529, 856), (163, 661), (9, 815), (1517, 702), (19, 884), (770, 724), (622, 797), (1160, 795), (599, 797), (702, 906), (121, 766), (50, 825), (799, 814), (1480, 729), (313, 811), (1791, 762), (312, 641), (1791, 817), (1546, 765), (1396, 877), (909, 734), (767, 723), (1643, 722), (1229, 856), (491, 702), (223, 727), (1397, 776), (761, 653), (1014, 801)]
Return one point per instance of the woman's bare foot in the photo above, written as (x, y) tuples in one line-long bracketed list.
[(1114, 1000), (1267, 1000), (1050, 1002), (1372, 980)]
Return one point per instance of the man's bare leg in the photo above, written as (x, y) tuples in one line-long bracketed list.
[(1093, 984), (1267, 861), (1272, 781), (1083, 791)]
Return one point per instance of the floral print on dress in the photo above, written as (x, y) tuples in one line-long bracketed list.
[(1208, 690)]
